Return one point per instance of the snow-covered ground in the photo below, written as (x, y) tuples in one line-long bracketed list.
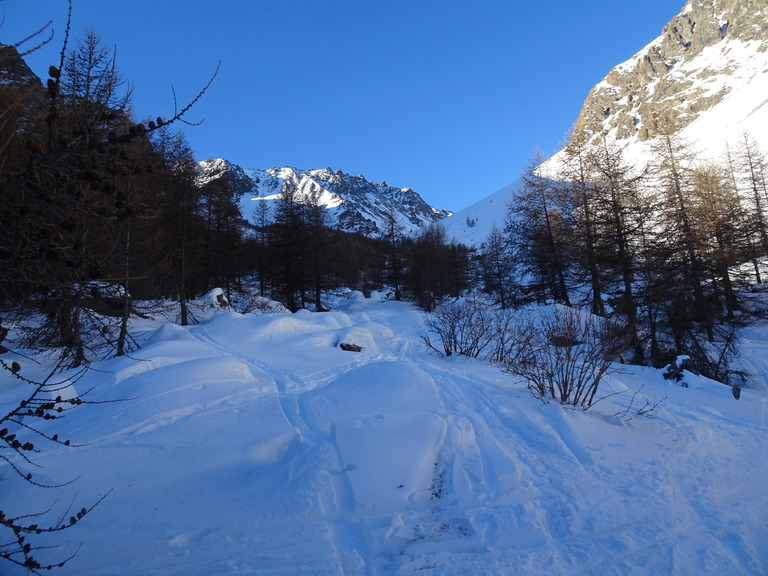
[(473, 224), (253, 444)]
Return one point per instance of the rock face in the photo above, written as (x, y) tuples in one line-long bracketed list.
[(681, 74), (354, 204), (13, 69), (19, 86)]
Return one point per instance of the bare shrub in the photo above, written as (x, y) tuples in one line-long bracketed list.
[(463, 327), (254, 304), (645, 410), (565, 354), (23, 536), (476, 329)]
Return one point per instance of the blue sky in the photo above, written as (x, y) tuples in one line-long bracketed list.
[(450, 98)]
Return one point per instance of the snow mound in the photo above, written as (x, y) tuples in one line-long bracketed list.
[(252, 444)]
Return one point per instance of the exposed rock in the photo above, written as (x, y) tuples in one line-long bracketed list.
[(19, 86), (661, 88), (354, 204), (13, 69), (350, 347)]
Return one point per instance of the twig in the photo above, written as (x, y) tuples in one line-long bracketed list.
[(37, 33)]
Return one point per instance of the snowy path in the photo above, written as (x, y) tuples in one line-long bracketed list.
[(255, 445), (334, 493)]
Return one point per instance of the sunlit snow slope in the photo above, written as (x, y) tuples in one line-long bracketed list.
[(352, 203), (705, 79), (256, 445)]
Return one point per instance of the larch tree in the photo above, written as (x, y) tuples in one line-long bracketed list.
[(288, 247), (393, 235), (538, 229), (688, 301), (498, 267), (618, 212), (576, 173)]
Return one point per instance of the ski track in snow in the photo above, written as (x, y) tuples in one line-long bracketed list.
[(396, 462), (334, 491)]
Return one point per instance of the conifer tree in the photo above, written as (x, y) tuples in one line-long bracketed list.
[(393, 236), (538, 228), (754, 178), (618, 213), (687, 298), (576, 174), (318, 244), (498, 266), (180, 200), (261, 218), (745, 218), (716, 210), (426, 262), (288, 242)]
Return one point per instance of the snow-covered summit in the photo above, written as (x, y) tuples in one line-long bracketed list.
[(354, 203), (705, 78)]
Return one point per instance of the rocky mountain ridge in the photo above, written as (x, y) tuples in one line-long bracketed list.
[(708, 51), (14, 70), (704, 79), (354, 203)]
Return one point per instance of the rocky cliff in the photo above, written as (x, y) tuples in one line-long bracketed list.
[(14, 71), (703, 54)]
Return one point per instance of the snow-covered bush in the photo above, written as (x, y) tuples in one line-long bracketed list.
[(258, 305), (214, 298), (564, 354)]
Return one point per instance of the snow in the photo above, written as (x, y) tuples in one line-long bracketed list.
[(736, 68), (740, 70), (353, 203), (473, 224), (253, 444)]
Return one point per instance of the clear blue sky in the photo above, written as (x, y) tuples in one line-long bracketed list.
[(448, 97)]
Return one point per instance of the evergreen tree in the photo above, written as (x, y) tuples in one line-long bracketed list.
[(498, 267), (687, 299), (180, 199), (288, 241), (261, 217), (753, 169), (577, 176), (538, 231), (394, 241), (70, 190), (618, 214), (318, 244), (715, 205)]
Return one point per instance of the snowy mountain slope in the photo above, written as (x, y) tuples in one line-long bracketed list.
[(255, 445), (712, 49), (472, 224), (14, 71), (354, 204), (705, 78)]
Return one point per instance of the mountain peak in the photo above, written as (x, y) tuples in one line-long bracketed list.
[(705, 78), (710, 49), (354, 203)]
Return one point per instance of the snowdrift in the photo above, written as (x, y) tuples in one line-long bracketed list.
[(253, 444)]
